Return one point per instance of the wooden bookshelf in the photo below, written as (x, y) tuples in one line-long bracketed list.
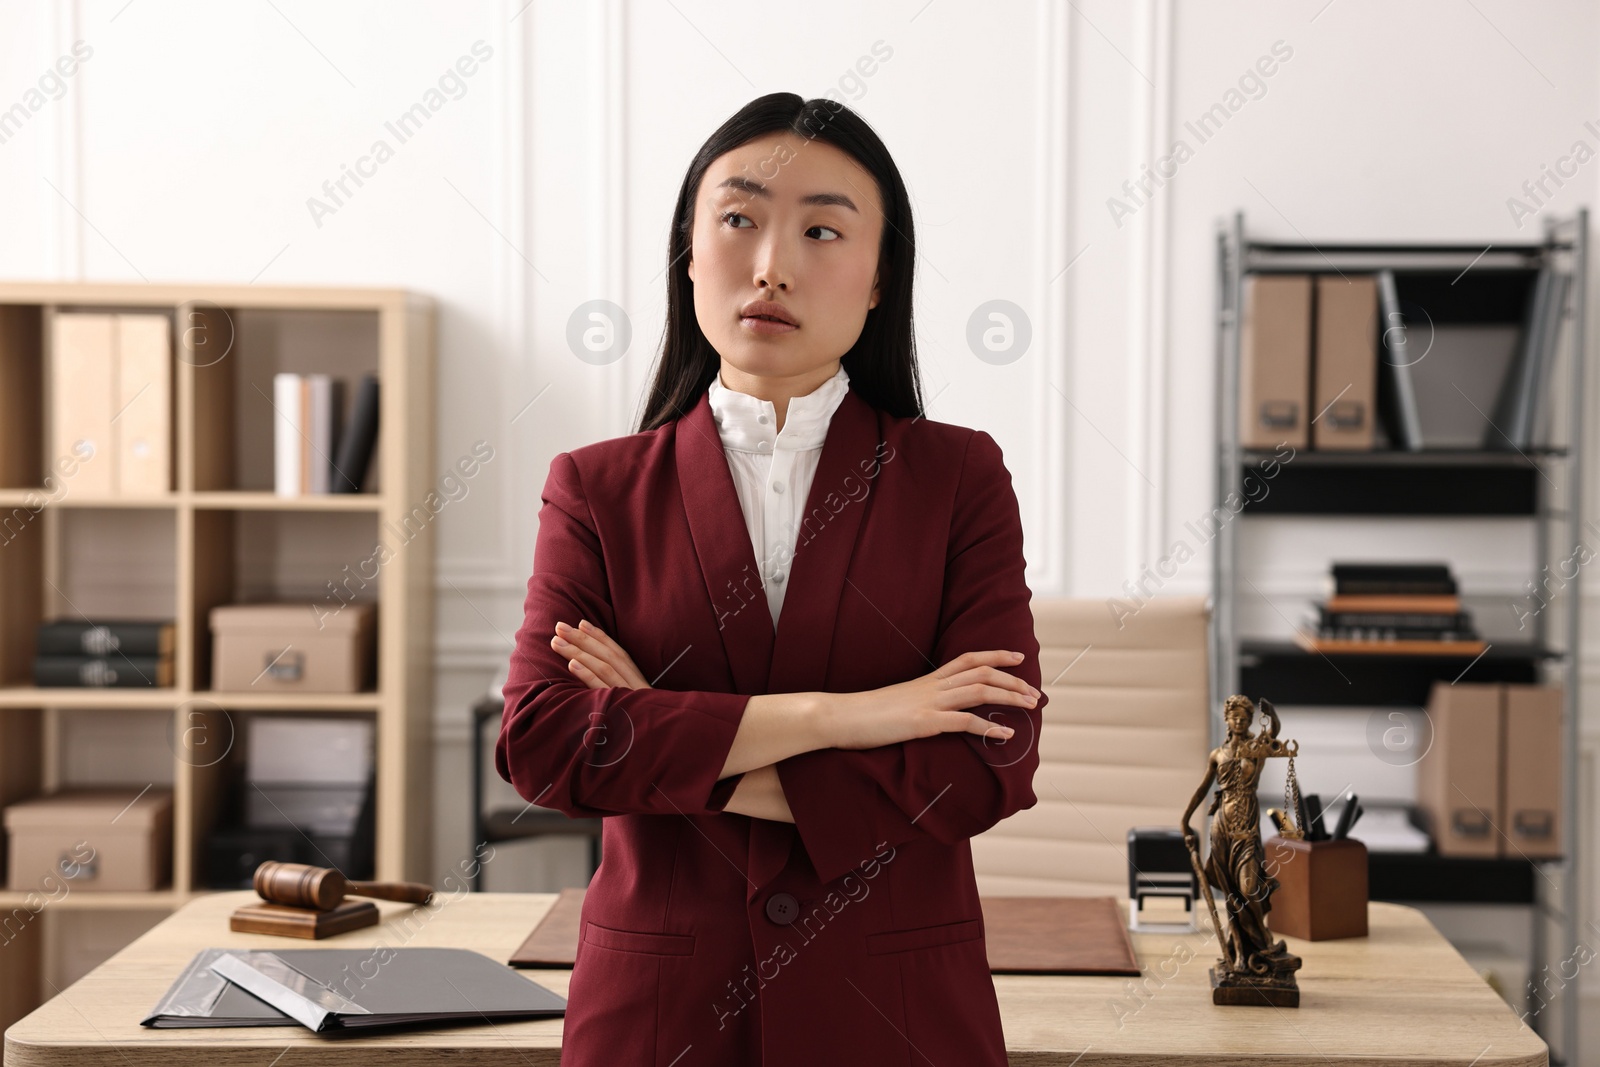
[(220, 535)]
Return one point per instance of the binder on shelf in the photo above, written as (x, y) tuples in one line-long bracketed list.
[(1518, 409), (143, 417), (111, 401), (1274, 360), (81, 396), (286, 434), (314, 450), (1398, 396), (325, 395), (1345, 362), (1458, 779), (356, 443), (1532, 744)]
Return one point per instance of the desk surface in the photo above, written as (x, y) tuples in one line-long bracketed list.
[(1402, 995)]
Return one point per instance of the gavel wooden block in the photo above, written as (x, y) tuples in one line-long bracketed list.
[(299, 900)]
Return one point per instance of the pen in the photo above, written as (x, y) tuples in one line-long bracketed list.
[(1315, 830), (1346, 814)]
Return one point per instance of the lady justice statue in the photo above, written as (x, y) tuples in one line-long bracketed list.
[(1254, 969)]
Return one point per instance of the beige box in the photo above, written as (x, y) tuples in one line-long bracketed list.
[(1531, 740), (293, 648), (1459, 777), (1346, 362), (101, 839), (1275, 360)]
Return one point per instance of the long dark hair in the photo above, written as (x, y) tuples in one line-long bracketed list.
[(882, 364)]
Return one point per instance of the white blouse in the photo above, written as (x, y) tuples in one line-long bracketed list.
[(773, 471)]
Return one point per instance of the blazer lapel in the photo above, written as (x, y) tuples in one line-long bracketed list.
[(722, 544), (795, 658)]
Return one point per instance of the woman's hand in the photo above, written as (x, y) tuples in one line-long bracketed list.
[(594, 659), (929, 705)]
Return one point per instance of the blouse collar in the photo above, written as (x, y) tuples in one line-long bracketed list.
[(747, 423)]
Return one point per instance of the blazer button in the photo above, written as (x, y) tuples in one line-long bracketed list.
[(782, 908)]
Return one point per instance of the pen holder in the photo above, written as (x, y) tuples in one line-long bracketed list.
[(1322, 888)]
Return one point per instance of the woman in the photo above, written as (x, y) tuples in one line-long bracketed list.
[(792, 719)]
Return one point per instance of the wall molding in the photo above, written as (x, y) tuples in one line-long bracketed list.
[(1148, 274), (1054, 188)]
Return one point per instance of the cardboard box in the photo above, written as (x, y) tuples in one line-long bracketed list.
[(1531, 743), (1322, 888), (293, 648), (97, 839), (1491, 783), (1458, 778), (1275, 360), (1346, 363)]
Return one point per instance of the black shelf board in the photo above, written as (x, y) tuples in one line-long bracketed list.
[(1428, 878), (1297, 247), (1468, 484), (1427, 457), (1285, 673)]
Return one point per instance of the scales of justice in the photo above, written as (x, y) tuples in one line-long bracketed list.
[(1254, 969)]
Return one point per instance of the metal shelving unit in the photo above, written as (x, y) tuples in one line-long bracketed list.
[(1543, 484)]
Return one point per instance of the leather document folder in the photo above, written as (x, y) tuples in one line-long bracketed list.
[(1024, 935), (327, 989)]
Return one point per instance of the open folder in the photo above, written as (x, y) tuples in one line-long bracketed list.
[(349, 989)]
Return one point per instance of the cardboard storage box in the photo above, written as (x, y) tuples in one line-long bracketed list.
[(1490, 785), (299, 648), (100, 839)]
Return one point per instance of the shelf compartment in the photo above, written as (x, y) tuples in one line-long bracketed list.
[(1361, 485), (327, 557), (1285, 673), (232, 355)]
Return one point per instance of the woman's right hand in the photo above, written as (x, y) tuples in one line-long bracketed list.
[(929, 705)]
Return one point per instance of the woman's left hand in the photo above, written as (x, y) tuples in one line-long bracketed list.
[(594, 659)]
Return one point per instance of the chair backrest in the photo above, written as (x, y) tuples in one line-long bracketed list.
[(1124, 744)]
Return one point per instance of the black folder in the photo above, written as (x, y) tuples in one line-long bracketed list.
[(330, 990)]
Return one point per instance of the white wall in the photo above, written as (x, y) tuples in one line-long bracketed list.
[(188, 145)]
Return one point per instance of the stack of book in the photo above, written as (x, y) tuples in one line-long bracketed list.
[(1391, 607), (315, 449), (105, 653)]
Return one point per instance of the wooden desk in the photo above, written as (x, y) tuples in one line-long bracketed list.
[(1402, 995)]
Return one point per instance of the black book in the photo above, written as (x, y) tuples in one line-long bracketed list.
[(1429, 579), (1403, 620), (331, 989), (359, 437), (116, 671), (106, 637)]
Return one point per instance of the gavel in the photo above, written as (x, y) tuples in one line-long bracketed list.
[(301, 885)]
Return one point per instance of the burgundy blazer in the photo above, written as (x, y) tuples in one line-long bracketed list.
[(853, 935)]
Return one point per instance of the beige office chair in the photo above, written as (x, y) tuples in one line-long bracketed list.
[(1124, 744)]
